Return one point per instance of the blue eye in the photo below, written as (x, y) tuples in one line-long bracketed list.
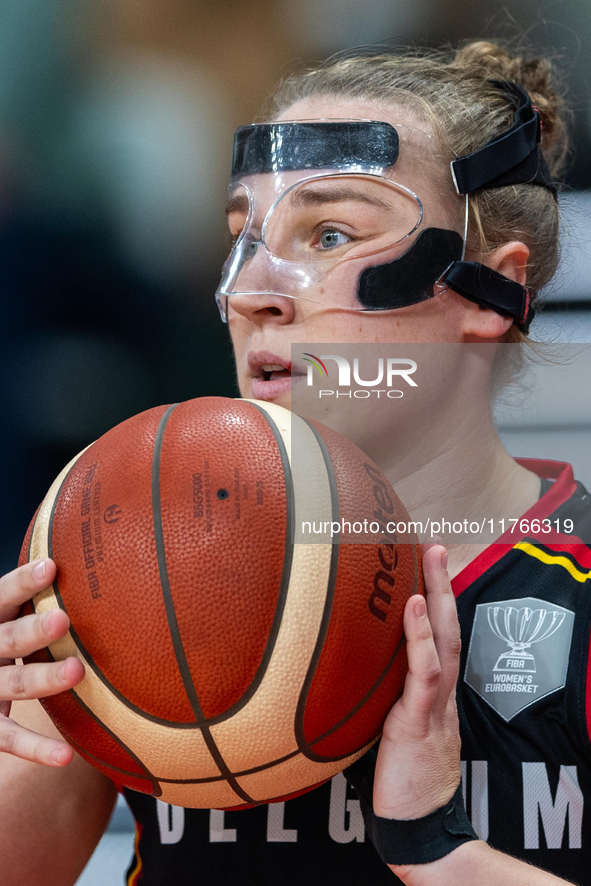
[(330, 238)]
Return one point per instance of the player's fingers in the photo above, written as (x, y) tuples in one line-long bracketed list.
[(23, 583), (25, 635), (421, 686), (28, 745), (441, 607), (39, 680)]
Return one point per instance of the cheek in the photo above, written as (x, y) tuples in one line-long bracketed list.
[(434, 320), (239, 334)]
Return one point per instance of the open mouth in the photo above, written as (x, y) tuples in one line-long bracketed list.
[(271, 372), (271, 379)]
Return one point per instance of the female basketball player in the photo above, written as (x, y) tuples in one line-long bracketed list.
[(381, 263)]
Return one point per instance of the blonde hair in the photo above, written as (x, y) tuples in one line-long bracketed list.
[(453, 90)]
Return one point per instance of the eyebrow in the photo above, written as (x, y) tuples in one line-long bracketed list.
[(318, 197), (312, 197), (238, 203)]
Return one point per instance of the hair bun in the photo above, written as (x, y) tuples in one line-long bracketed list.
[(485, 60)]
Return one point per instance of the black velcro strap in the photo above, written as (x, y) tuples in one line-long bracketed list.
[(488, 288), (512, 157), (418, 840)]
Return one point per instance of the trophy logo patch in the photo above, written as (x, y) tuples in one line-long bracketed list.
[(518, 653)]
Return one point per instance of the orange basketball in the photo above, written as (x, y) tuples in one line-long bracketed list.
[(226, 663)]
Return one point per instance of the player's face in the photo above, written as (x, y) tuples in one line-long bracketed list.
[(264, 326)]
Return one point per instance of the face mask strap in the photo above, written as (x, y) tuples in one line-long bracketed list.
[(480, 284), (511, 158), (514, 157)]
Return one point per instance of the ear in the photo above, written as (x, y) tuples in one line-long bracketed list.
[(510, 260)]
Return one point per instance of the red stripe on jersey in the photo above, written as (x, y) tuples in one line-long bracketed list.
[(561, 490)]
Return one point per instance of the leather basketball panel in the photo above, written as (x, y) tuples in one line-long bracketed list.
[(365, 723), (135, 782), (281, 799), (166, 751), (358, 647), (288, 776), (103, 542), (208, 795), (78, 727), (223, 493), (372, 586)]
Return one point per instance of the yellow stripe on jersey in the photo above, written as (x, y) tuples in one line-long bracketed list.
[(554, 560), (133, 877)]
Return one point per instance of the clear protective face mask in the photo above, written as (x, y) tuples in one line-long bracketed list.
[(326, 212)]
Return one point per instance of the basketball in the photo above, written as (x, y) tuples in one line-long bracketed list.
[(228, 663)]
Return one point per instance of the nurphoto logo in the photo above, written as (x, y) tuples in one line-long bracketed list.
[(389, 372)]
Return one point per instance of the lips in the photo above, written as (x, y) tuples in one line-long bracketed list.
[(271, 375)]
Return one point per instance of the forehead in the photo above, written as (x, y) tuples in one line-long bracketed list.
[(423, 155), (347, 107)]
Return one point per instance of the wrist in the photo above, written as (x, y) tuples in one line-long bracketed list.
[(418, 841), (412, 805)]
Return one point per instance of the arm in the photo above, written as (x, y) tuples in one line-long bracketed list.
[(475, 864), (418, 764), (54, 814)]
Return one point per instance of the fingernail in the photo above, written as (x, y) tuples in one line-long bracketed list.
[(420, 608), (39, 570), (444, 559), (46, 620), (62, 670), (58, 755)]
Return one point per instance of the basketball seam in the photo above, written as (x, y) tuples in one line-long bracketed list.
[(147, 774), (78, 642), (285, 578), (321, 759), (171, 614), (326, 615), (242, 772), (305, 746), (171, 618), (156, 791)]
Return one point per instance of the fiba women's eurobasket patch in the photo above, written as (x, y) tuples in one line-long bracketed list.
[(518, 653)]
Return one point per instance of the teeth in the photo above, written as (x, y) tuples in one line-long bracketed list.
[(272, 367)]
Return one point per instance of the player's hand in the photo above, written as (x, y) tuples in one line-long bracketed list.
[(20, 637), (418, 765)]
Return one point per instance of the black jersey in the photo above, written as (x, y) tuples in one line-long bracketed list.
[(525, 612)]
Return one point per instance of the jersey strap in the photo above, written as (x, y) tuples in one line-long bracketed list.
[(563, 487)]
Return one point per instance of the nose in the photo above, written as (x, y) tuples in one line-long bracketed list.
[(250, 285), (262, 307)]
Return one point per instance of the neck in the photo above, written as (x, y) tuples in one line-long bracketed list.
[(469, 476)]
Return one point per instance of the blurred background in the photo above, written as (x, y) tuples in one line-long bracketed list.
[(116, 120)]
